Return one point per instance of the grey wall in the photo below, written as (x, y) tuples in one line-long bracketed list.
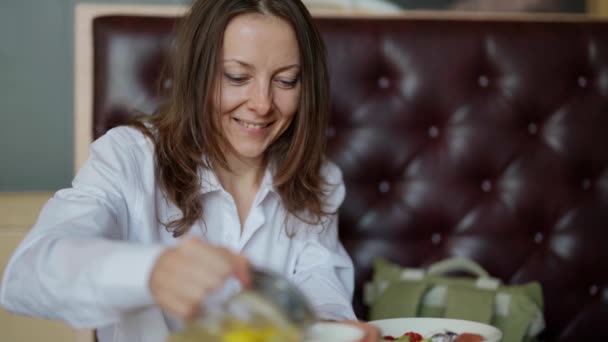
[(35, 94), (36, 86)]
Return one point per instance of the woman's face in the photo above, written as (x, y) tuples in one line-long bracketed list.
[(260, 82)]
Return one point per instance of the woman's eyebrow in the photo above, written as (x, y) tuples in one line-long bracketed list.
[(287, 67), (249, 66)]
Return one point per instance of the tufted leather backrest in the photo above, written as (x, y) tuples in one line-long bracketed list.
[(479, 138)]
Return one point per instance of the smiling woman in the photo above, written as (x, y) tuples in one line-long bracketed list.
[(250, 93), (260, 90)]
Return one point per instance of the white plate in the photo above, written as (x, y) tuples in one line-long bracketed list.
[(333, 332), (428, 326)]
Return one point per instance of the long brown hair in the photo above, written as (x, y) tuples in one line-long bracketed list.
[(187, 134)]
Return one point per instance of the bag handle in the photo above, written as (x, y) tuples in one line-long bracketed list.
[(456, 264)]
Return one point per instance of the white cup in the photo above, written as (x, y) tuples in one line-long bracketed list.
[(333, 332)]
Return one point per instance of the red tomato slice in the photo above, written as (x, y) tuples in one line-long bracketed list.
[(466, 337), (413, 336)]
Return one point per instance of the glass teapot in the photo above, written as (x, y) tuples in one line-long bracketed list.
[(272, 310)]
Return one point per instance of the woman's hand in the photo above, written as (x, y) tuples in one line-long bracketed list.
[(372, 333), (185, 275)]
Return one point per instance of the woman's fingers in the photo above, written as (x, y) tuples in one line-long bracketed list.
[(177, 305), (184, 276), (372, 333), (242, 269), (219, 260)]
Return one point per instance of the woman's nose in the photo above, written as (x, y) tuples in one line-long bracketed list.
[(260, 98)]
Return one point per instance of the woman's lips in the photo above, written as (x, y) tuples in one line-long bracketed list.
[(250, 125)]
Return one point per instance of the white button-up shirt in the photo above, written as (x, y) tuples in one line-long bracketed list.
[(88, 258)]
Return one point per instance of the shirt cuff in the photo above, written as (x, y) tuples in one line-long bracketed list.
[(125, 275)]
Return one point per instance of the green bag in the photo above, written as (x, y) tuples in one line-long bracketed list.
[(517, 310)]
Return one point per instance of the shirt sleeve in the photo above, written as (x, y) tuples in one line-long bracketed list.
[(323, 269), (74, 264)]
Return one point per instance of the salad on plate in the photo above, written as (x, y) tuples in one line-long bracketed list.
[(447, 336)]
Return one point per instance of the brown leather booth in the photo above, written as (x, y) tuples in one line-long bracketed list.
[(484, 137)]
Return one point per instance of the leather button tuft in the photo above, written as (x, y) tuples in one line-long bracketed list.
[(532, 128), (486, 185), (433, 132), (384, 82), (384, 187), (586, 184), (539, 237), (436, 238), (582, 81), (593, 290), (483, 81)]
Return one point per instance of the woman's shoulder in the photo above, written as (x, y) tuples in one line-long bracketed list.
[(125, 137), (125, 143), (334, 185), (128, 135), (331, 172)]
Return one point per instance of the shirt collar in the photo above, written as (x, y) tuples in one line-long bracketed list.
[(210, 182)]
